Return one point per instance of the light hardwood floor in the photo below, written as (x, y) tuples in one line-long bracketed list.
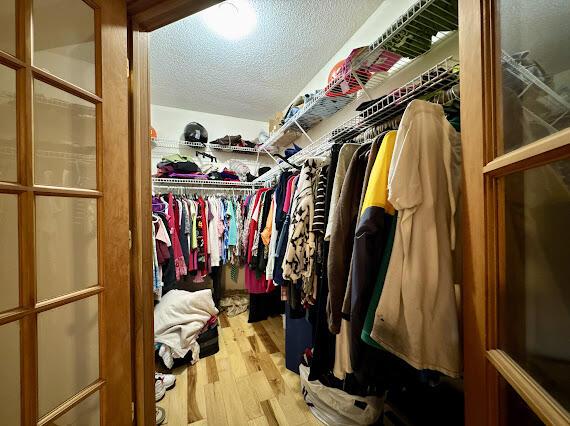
[(245, 383)]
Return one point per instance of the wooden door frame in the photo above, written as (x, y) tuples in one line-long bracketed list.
[(480, 379), (141, 219), (112, 291), (145, 16), (483, 221)]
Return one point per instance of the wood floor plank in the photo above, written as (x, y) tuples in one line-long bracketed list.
[(293, 384), (259, 421), (234, 354), (274, 327), (270, 415), (223, 319), (235, 411), (271, 373), (282, 419), (265, 338), (248, 399), (251, 361), (215, 406), (212, 369), (193, 411), (201, 381), (260, 385), (176, 410), (240, 335), (255, 343)]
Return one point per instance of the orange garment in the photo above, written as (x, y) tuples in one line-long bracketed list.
[(266, 234)]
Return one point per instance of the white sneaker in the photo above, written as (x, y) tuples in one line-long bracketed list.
[(159, 390), (160, 415), (169, 380)]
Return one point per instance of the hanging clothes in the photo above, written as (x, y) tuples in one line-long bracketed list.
[(416, 317)]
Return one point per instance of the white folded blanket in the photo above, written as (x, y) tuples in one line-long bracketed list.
[(178, 319)]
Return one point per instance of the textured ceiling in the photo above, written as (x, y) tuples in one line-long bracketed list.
[(194, 68)]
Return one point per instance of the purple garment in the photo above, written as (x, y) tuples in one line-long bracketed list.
[(158, 205)]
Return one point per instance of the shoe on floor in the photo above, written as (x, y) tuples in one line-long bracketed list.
[(159, 390), (169, 380), (160, 415)]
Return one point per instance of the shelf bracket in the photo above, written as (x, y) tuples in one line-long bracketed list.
[(363, 88), (272, 157), (303, 130)]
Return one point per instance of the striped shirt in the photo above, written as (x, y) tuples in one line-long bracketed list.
[(319, 220)]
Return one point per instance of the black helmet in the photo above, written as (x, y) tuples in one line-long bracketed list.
[(195, 132)]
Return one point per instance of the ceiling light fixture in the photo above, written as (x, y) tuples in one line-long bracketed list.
[(232, 19)]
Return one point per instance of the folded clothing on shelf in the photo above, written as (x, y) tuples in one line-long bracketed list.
[(176, 163), (233, 141), (226, 174)]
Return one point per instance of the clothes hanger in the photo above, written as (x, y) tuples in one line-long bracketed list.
[(287, 161)]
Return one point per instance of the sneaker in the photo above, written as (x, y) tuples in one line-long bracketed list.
[(160, 415), (169, 380), (159, 390)]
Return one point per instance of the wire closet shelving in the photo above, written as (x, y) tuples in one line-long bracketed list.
[(202, 184), (442, 76), (410, 36), (172, 144)]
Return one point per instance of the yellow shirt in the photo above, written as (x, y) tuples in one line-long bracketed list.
[(377, 189)]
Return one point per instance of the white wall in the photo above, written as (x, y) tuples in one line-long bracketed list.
[(169, 123)]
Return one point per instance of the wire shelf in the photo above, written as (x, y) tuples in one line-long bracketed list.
[(554, 106), (422, 26), (203, 183), (442, 76), (172, 144)]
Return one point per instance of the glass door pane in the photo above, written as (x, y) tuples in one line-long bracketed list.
[(64, 43), (64, 139), (8, 137), (9, 252), (535, 302), (68, 351), (66, 245), (8, 26), (10, 374), (535, 70)]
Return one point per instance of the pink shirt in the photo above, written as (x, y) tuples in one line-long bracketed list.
[(289, 193)]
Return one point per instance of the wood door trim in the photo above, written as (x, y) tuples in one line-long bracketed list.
[(537, 153), (65, 192), (113, 171), (152, 15), (71, 402), (56, 302), (62, 84), (141, 222), (11, 61), (541, 402), (475, 111), (45, 305), (14, 188)]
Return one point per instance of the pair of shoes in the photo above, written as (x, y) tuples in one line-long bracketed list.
[(162, 382), (160, 415), (169, 380), (159, 390)]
